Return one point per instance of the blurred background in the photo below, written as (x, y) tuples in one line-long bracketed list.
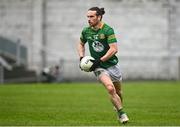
[(38, 39)]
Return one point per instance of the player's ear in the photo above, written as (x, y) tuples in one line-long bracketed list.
[(99, 18)]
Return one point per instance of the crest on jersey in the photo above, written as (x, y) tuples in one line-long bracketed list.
[(101, 36), (97, 46)]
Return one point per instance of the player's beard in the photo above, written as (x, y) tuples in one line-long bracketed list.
[(93, 25)]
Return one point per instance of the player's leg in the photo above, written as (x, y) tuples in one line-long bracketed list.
[(116, 76), (118, 87), (106, 81), (115, 99)]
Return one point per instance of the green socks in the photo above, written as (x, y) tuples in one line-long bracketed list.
[(120, 112)]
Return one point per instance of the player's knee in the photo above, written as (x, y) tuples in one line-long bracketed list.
[(111, 89)]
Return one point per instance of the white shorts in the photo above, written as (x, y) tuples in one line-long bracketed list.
[(114, 72)]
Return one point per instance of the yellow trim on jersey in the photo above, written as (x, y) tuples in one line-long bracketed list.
[(102, 24), (111, 37)]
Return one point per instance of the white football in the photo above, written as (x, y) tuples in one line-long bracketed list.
[(86, 63)]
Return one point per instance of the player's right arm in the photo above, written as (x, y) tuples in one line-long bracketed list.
[(81, 49), (81, 44)]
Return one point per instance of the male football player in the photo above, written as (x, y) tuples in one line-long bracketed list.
[(103, 47)]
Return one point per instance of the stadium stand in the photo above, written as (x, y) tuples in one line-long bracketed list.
[(13, 60)]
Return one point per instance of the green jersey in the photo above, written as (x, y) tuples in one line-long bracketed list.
[(98, 41)]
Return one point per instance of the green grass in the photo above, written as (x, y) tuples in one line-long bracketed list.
[(87, 104)]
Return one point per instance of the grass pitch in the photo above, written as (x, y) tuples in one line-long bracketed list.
[(87, 104)]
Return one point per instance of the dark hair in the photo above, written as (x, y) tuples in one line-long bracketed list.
[(99, 11)]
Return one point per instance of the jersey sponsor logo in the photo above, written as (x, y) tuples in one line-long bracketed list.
[(97, 46)]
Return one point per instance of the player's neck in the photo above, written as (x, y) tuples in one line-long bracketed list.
[(98, 26)]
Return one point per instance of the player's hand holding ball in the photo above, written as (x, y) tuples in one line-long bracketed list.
[(96, 64), (80, 63), (86, 63)]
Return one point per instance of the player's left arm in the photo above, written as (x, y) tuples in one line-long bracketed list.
[(112, 51), (112, 42)]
